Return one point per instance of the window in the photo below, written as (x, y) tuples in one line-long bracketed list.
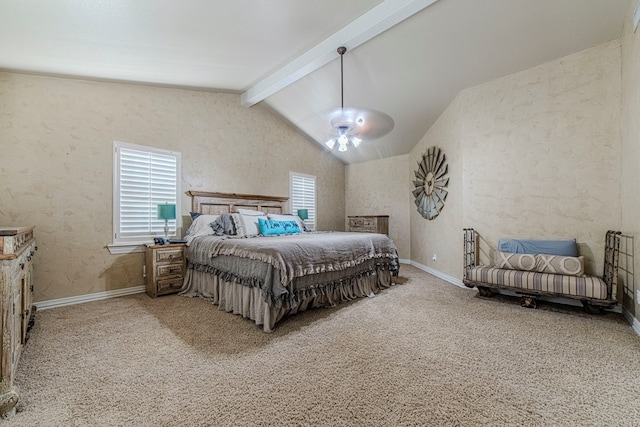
[(303, 196), (143, 178)]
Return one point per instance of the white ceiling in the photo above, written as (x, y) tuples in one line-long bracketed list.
[(411, 71)]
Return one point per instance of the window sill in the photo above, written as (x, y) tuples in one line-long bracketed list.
[(126, 248)]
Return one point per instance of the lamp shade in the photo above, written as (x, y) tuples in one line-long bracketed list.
[(167, 211), (303, 214)]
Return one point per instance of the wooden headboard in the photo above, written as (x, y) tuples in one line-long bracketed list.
[(217, 203)]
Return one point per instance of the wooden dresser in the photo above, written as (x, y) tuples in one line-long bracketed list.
[(165, 268), (369, 224), (17, 247)]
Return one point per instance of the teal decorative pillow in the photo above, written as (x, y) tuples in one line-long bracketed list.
[(270, 227)]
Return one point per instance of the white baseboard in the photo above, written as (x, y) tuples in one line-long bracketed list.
[(404, 261), (635, 324), (439, 274), (61, 302)]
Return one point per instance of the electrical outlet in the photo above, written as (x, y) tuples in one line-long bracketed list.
[(434, 257), (637, 296)]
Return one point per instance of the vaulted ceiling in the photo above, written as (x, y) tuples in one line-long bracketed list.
[(407, 58)]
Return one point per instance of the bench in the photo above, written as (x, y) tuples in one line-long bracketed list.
[(533, 275)]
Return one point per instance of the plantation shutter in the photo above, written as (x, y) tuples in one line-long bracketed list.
[(303, 196), (145, 178)]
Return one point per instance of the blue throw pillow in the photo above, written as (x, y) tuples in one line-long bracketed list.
[(549, 247), (270, 227)]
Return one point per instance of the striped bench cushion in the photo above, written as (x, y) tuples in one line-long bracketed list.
[(574, 286)]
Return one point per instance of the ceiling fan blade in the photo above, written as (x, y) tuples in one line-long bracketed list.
[(361, 122)]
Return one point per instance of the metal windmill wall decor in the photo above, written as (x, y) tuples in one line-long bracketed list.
[(431, 183)]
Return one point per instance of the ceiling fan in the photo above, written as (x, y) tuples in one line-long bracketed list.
[(350, 126)]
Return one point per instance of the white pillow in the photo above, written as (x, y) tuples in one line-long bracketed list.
[(296, 218), (202, 225), (249, 225)]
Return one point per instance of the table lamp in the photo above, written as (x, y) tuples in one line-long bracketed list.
[(166, 212), (303, 214)]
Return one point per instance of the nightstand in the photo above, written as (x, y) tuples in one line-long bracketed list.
[(165, 268), (369, 224)]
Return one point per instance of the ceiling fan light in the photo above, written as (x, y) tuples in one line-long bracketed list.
[(342, 147), (330, 143), (355, 141), (343, 140)]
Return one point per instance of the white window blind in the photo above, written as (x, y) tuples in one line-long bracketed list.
[(143, 178), (303, 196)]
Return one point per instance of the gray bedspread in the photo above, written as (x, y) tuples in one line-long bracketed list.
[(292, 267)]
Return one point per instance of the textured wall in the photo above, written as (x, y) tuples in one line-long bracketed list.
[(542, 152), (57, 165), (532, 155), (440, 236), (379, 187), (631, 143)]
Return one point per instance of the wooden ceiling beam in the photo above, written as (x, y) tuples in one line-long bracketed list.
[(377, 20)]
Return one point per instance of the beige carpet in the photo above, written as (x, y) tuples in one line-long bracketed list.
[(421, 353)]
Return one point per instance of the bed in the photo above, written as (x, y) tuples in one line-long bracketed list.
[(262, 275)]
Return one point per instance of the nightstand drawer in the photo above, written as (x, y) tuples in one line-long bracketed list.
[(369, 224), (166, 255), (356, 222), (166, 286), (362, 222), (363, 229), (170, 270)]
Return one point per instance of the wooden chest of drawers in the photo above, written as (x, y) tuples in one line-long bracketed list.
[(17, 248), (165, 268), (369, 224)]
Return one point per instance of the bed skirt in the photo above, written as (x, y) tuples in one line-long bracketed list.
[(248, 301)]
